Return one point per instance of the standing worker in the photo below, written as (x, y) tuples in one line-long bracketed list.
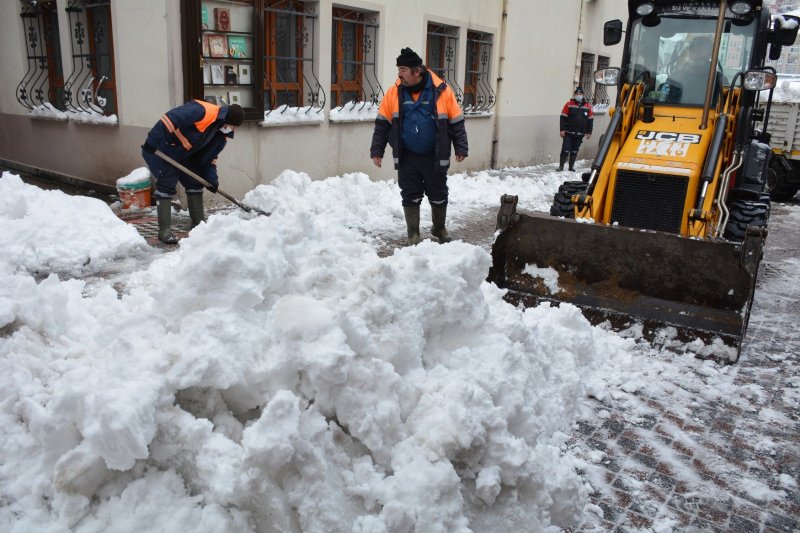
[(192, 134), (576, 121), (420, 117)]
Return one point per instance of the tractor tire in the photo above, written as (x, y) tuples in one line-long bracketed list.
[(744, 213), (562, 200), (779, 179)]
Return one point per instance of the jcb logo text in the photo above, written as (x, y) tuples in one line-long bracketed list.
[(690, 138)]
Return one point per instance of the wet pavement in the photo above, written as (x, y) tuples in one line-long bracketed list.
[(699, 451)]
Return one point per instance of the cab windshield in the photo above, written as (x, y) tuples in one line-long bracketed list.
[(676, 55)]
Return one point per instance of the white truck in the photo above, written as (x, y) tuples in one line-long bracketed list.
[(783, 178)]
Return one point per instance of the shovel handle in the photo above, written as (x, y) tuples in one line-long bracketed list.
[(195, 176)]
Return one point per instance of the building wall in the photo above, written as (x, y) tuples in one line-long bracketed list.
[(534, 53)]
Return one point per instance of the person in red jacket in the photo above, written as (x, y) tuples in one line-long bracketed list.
[(192, 134), (575, 123), (420, 117)]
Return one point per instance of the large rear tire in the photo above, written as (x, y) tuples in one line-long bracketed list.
[(562, 200), (745, 213), (779, 179)]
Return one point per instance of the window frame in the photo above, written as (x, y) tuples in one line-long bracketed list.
[(586, 76), (265, 58), (43, 33), (477, 73), (447, 68), (90, 95), (364, 84)]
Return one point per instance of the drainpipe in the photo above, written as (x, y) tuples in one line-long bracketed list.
[(576, 78), (498, 100)]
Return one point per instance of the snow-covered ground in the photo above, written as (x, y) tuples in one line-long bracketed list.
[(278, 374)]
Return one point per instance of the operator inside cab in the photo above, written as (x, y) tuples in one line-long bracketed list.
[(687, 82)]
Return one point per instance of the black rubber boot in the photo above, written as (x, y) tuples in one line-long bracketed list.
[(194, 202), (562, 161), (164, 210), (412, 223), (572, 158), (438, 216)]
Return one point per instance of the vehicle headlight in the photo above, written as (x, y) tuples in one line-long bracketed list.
[(645, 8), (759, 80), (607, 76), (741, 7)]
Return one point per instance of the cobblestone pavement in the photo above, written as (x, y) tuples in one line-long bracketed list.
[(704, 452), (700, 450)]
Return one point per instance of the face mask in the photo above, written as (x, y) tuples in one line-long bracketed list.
[(225, 129), (578, 98)]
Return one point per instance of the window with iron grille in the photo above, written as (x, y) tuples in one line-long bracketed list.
[(587, 76), (441, 55), (257, 53), (91, 88), (43, 83), (287, 40), (601, 91), (354, 37), (478, 94)]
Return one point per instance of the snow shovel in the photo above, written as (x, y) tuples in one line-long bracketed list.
[(219, 191)]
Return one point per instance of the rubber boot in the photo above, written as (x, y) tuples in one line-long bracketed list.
[(194, 202), (572, 157), (164, 210), (562, 161), (438, 216), (412, 223)]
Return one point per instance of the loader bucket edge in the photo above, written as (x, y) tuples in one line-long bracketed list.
[(701, 285)]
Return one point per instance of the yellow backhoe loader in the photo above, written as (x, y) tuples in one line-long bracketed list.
[(669, 225)]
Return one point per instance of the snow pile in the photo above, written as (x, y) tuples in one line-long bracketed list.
[(45, 231), (275, 374), (787, 91)]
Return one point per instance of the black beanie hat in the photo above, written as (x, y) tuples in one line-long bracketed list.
[(235, 115), (408, 58), (578, 90)]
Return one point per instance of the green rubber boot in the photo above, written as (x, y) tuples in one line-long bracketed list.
[(412, 223), (194, 202), (439, 215), (164, 210)]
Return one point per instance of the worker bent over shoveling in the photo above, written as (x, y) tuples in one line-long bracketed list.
[(193, 135)]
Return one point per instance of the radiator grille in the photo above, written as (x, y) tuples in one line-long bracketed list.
[(649, 201)]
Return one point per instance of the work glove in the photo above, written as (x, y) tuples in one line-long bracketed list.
[(212, 188), (149, 148)]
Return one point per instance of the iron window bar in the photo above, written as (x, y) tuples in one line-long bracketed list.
[(41, 83), (587, 77), (84, 92), (601, 91), (303, 23), (366, 85), (443, 58), (479, 47)]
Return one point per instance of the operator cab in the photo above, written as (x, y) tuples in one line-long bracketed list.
[(671, 49)]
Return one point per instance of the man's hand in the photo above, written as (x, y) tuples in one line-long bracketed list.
[(460, 157), (563, 134), (588, 136), (212, 188), (377, 161)]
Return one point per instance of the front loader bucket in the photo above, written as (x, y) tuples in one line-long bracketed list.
[(702, 286)]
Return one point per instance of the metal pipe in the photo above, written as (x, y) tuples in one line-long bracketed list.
[(500, 70), (712, 72), (738, 159)]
